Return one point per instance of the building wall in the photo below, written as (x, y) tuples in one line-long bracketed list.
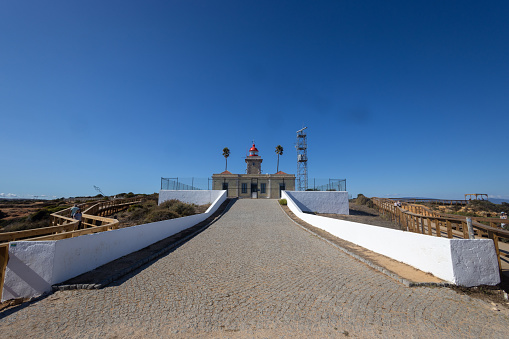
[(235, 182), (198, 197), (321, 202)]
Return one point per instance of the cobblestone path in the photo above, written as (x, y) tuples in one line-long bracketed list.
[(254, 273)]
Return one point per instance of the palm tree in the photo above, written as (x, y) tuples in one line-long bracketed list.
[(226, 154), (279, 151)]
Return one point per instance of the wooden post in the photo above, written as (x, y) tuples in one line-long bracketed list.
[(430, 230), (4, 258), (471, 234), (464, 229), (437, 226), (494, 237), (449, 229)]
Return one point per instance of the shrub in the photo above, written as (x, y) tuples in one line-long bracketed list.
[(159, 215), (53, 209), (283, 202), (39, 215), (169, 203), (183, 209), (362, 200), (2, 214)]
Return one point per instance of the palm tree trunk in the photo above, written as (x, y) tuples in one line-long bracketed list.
[(277, 168)]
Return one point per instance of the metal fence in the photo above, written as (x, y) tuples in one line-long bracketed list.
[(186, 184), (193, 183), (317, 184)]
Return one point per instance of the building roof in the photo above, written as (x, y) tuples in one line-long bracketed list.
[(253, 151), (281, 172), (226, 172)]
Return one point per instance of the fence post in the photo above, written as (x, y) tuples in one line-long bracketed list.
[(494, 237), (471, 234), (464, 229), (437, 228), (4, 258), (449, 229)]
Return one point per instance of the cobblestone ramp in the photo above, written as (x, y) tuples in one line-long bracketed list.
[(254, 273)]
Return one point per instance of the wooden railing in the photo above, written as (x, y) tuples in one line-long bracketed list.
[(420, 219), (433, 201), (62, 226)]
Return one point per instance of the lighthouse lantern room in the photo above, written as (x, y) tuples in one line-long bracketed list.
[(254, 161)]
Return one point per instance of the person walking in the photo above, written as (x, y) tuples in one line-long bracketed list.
[(77, 216), (503, 215), (74, 209)]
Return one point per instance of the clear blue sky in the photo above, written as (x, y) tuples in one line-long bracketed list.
[(401, 98)]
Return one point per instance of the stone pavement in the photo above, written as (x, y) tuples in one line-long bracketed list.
[(254, 273)]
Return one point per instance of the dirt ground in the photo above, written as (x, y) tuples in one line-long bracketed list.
[(20, 208)]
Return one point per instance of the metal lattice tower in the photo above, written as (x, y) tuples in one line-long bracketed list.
[(302, 160)]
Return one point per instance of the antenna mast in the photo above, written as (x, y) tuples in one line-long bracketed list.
[(302, 160)]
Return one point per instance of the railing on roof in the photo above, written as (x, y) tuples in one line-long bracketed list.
[(186, 184), (320, 184)]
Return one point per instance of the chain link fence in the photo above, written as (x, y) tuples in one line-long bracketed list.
[(192, 183), (186, 184)]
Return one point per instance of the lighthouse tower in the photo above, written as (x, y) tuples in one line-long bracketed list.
[(254, 161)]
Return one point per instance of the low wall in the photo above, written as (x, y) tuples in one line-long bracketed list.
[(321, 202), (34, 266), (459, 261), (198, 197)]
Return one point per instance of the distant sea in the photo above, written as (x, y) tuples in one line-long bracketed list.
[(493, 200)]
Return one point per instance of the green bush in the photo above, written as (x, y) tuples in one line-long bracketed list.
[(169, 203), (39, 215), (53, 209), (160, 214), (2, 214), (283, 202), (183, 209)]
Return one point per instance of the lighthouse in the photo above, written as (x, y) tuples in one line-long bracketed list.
[(254, 161), (253, 184)]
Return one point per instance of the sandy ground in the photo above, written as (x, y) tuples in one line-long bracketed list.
[(17, 209)]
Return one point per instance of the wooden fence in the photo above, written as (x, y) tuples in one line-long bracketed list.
[(433, 201), (420, 219), (62, 226)]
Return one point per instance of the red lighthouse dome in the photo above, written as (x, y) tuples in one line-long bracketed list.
[(253, 151)]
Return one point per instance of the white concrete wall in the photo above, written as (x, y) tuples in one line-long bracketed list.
[(459, 261), (34, 266), (198, 197), (321, 202)]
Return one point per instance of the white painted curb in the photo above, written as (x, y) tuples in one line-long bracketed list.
[(461, 262)]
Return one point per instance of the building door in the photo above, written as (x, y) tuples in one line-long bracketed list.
[(282, 187), (254, 188), (254, 191), (225, 187)]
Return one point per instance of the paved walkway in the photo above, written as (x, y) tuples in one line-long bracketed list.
[(254, 273)]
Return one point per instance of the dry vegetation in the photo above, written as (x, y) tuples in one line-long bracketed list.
[(149, 211), (18, 215), (476, 208)]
